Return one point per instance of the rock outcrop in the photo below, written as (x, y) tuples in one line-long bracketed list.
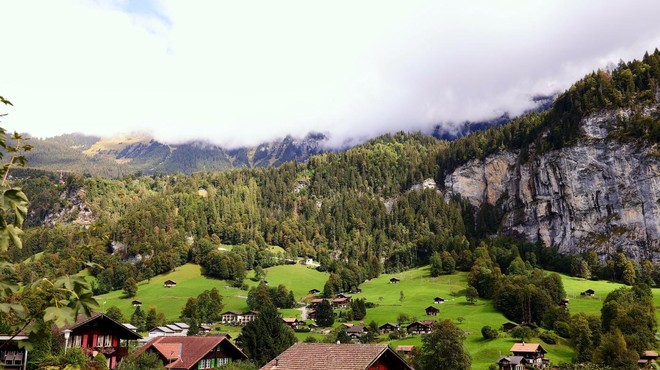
[(600, 194)]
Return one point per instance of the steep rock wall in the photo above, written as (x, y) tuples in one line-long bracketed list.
[(599, 194)]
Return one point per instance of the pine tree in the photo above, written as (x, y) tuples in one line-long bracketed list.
[(443, 349), (325, 317), (130, 288), (265, 337)]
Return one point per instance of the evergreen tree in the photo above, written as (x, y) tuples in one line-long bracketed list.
[(443, 349), (114, 313), (265, 337), (138, 319), (436, 264), (325, 317), (150, 321)]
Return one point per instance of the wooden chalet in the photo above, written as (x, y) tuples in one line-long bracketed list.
[(394, 280), (421, 327), (99, 334), (314, 291), (438, 300), (341, 302), (512, 363), (356, 331), (293, 322), (588, 292), (389, 327), (169, 283), (324, 356), (404, 350), (647, 359), (564, 303), (508, 326), (315, 302), (533, 353), (432, 311), (191, 352), (136, 303), (311, 314), (12, 356), (341, 295)]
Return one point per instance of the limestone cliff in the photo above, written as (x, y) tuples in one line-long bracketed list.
[(600, 194)]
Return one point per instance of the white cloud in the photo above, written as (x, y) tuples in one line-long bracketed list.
[(244, 72)]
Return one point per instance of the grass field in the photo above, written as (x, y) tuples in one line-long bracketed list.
[(418, 289)]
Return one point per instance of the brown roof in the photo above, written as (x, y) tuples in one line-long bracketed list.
[(650, 354), (526, 347), (191, 349), (404, 348), (323, 356), (289, 320)]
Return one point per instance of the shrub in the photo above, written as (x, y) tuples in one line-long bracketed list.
[(562, 329), (489, 333), (549, 337)]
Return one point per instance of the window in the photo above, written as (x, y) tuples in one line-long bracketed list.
[(77, 341), (205, 363), (222, 361)]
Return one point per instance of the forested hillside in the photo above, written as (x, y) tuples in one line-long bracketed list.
[(358, 212)]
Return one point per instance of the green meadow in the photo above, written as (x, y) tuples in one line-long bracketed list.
[(418, 288)]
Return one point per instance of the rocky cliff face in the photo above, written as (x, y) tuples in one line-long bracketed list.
[(599, 194)]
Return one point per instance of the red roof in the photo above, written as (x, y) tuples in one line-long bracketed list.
[(107, 322), (190, 349), (323, 356)]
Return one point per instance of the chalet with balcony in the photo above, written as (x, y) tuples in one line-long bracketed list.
[(524, 355), (389, 327), (421, 327), (356, 331), (99, 334), (237, 317), (184, 353), (293, 322)]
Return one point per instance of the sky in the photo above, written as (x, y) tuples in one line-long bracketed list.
[(237, 73)]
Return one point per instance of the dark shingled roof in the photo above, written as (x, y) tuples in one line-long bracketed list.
[(322, 356)]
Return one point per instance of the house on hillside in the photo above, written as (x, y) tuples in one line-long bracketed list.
[(204, 329), (421, 327), (179, 353), (12, 355), (169, 283), (172, 330), (315, 302), (314, 291), (237, 317), (324, 356), (524, 355), (588, 292), (508, 326), (432, 311), (389, 327), (394, 280), (356, 331), (438, 300), (99, 333), (136, 303), (404, 350), (293, 322), (341, 302)]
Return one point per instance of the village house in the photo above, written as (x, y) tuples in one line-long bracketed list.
[(315, 302), (12, 356), (394, 280), (438, 300), (356, 331), (405, 350), (508, 326), (183, 353), (99, 334), (341, 302), (588, 292), (293, 322), (237, 317), (324, 356), (524, 355), (432, 311), (169, 283), (389, 327), (205, 329), (130, 327), (314, 291), (136, 303), (421, 327), (647, 359)]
